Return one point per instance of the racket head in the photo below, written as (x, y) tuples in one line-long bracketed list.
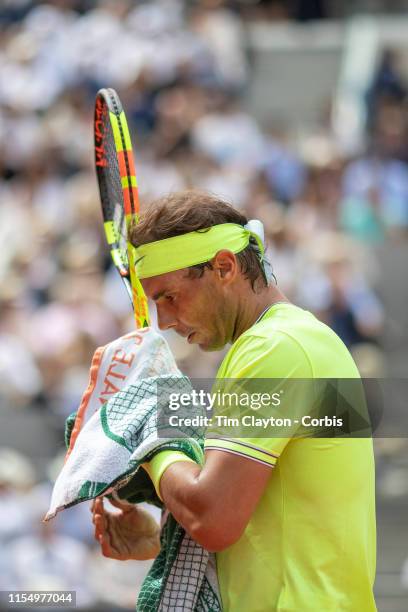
[(116, 174)]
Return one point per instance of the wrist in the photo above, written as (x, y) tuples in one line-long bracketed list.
[(159, 464)]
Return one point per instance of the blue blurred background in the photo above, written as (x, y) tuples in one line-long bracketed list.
[(296, 112)]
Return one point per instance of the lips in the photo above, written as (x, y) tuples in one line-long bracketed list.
[(185, 334)]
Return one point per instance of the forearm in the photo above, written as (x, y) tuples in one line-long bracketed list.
[(179, 484), (182, 491), (207, 501), (189, 494)]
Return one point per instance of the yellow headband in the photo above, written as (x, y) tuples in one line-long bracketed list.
[(178, 252)]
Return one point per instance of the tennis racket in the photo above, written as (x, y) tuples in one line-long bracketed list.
[(115, 170)]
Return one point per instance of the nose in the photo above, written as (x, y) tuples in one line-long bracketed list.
[(165, 320)]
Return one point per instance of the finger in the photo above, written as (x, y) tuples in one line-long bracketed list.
[(108, 549), (99, 519), (97, 508), (98, 503), (94, 514), (125, 507), (100, 526)]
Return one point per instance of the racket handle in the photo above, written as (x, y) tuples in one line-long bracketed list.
[(139, 300)]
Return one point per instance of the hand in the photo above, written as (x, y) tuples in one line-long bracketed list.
[(130, 534)]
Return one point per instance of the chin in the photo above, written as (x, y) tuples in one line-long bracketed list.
[(208, 347)]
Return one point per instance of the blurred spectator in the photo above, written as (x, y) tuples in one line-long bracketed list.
[(229, 136), (387, 85), (285, 172), (375, 198), (16, 478), (335, 288), (222, 32), (47, 561)]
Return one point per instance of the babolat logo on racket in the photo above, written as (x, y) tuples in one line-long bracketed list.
[(100, 123)]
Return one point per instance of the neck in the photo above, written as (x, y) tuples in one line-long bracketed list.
[(252, 308)]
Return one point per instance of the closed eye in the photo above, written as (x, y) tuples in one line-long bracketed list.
[(168, 297), (163, 296)]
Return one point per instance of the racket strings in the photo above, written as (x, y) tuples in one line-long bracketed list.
[(129, 173), (112, 194)]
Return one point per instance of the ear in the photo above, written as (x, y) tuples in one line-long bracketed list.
[(225, 265)]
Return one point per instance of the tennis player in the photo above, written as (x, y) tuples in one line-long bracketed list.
[(291, 520)]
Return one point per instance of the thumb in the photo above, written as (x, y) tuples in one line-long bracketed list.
[(124, 506)]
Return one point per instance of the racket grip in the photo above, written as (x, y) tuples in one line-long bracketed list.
[(140, 307)]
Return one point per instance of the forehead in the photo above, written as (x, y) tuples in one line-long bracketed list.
[(157, 285)]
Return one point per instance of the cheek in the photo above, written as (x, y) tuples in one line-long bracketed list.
[(199, 304), (211, 313)]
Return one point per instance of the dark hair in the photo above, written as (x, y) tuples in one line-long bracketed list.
[(189, 211)]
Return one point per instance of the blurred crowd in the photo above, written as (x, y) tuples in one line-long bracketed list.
[(181, 70)]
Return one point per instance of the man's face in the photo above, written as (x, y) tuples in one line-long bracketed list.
[(194, 307)]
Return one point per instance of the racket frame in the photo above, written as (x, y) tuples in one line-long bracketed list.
[(107, 101)]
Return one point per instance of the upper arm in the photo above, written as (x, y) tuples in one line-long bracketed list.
[(236, 483)]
